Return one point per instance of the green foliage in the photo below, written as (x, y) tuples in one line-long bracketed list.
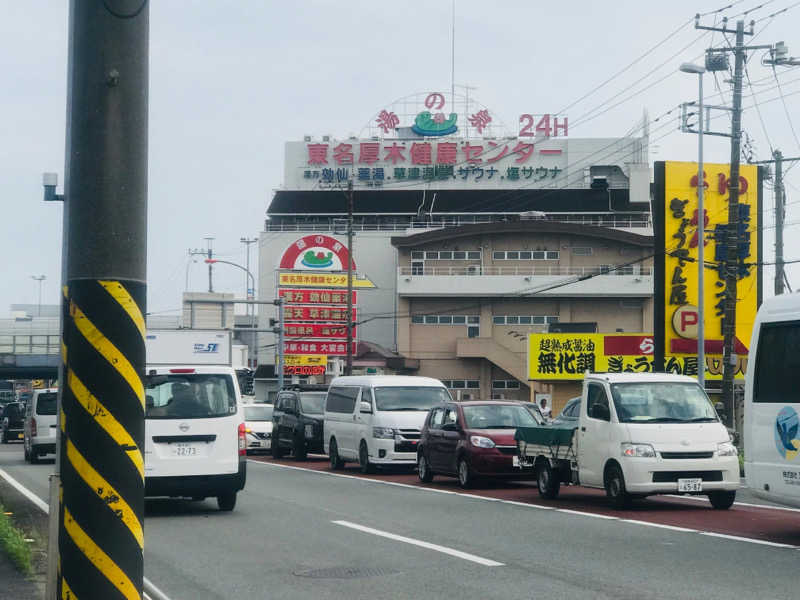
[(13, 543)]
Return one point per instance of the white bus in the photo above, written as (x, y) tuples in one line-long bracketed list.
[(772, 402)]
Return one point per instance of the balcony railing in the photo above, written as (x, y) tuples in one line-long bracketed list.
[(555, 271)]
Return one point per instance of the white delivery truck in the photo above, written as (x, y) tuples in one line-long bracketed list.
[(195, 440), (638, 434)]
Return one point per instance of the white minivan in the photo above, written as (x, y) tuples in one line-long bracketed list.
[(41, 415), (377, 419), (195, 439)]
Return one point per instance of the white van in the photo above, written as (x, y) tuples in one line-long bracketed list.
[(377, 419), (41, 414), (195, 439), (771, 402)]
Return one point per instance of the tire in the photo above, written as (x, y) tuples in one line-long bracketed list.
[(722, 500), (227, 501), (336, 461), (299, 448), (363, 459), (547, 480), (465, 477), (34, 455), (277, 451), (423, 468), (615, 488), (26, 452), (3, 436)]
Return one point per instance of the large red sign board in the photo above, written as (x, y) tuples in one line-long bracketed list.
[(314, 296), (331, 348), (316, 330)]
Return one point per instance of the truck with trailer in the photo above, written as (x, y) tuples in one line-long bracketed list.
[(195, 438), (638, 434)]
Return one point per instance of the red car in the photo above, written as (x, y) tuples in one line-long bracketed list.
[(472, 440)]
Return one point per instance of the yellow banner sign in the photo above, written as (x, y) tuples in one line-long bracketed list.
[(681, 241), (567, 356), (305, 360), (319, 279)]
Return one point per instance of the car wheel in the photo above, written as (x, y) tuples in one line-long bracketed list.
[(3, 436), (363, 459), (34, 455), (227, 501), (26, 452), (722, 500), (299, 448), (547, 480), (615, 488), (277, 451), (333, 451), (465, 478), (423, 468)]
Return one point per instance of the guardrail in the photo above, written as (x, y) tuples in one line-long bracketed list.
[(629, 270)]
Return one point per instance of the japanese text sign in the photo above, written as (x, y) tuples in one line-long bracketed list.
[(302, 360), (320, 279), (567, 356), (316, 330), (676, 272), (330, 348), (315, 296)]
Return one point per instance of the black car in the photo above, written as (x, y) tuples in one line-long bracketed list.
[(570, 413), (12, 422), (297, 423)]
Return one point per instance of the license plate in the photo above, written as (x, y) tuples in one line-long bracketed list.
[(690, 485), (515, 461), (20, 436), (184, 449)]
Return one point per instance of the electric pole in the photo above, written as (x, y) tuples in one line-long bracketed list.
[(251, 310), (210, 252), (780, 213), (349, 366), (732, 262), (101, 393)]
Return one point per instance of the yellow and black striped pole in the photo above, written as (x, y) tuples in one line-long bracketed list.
[(101, 458)]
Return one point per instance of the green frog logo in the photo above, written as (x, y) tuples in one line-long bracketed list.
[(427, 124), (317, 260)]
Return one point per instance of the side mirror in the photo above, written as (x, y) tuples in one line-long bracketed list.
[(600, 411), (719, 407), (365, 407)]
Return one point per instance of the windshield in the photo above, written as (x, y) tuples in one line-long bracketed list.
[(312, 403), (46, 404), (409, 397), (661, 402), (258, 413), (498, 416), (189, 396)]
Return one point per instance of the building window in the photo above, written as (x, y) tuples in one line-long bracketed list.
[(582, 250), (505, 384), (499, 320), (512, 255), (551, 255), (473, 331), (459, 320), (445, 319), (524, 319), (474, 255), (416, 254), (462, 384), (512, 320), (473, 319), (417, 319), (525, 255), (459, 256), (431, 255), (445, 255)]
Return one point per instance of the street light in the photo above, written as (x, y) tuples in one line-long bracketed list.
[(701, 223), (252, 280), (40, 279)]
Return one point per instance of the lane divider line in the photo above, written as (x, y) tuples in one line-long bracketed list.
[(539, 506), (407, 540), (45, 508), (751, 504)]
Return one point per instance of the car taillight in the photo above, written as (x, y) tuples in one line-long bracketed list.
[(242, 440), (33, 427)]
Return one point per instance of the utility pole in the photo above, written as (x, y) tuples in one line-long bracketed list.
[(40, 279), (780, 210), (209, 240), (250, 290), (278, 327), (731, 263), (101, 424), (349, 366)]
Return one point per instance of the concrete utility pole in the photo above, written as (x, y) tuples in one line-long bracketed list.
[(780, 213), (349, 365), (250, 290), (210, 252), (100, 513)]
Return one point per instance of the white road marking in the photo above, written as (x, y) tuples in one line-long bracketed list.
[(540, 506), (751, 504), (45, 508), (407, 540)]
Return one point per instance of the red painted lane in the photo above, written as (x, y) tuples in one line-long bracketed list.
[(759, 523)]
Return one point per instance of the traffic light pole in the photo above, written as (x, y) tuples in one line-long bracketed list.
[(101, 416), (349, 364)]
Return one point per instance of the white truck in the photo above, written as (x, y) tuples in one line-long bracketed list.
[(195, 438), (638, 434)]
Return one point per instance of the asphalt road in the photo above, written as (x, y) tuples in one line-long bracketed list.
[(307, 534)]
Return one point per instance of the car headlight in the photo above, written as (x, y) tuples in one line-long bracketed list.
[(726, 449), (386, 433), (309, 430), (638, 450), (481, 442)]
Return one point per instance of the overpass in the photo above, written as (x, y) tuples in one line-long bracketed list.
[(29, 355)]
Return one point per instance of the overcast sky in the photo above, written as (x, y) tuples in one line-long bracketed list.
[(231, 81)]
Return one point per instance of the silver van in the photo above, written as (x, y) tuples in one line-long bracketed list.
[(41, 419)]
